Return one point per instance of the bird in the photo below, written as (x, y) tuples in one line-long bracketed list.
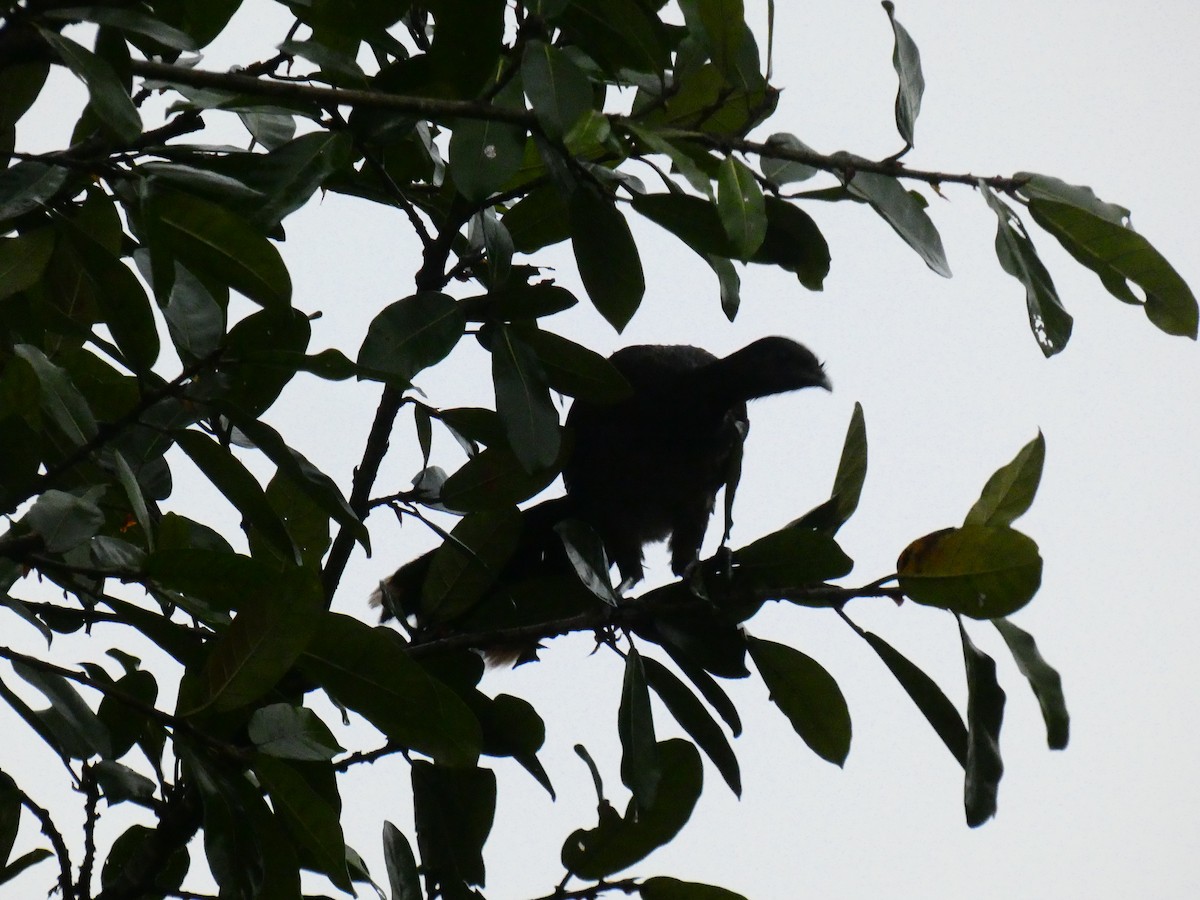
[(649, 467), (643, 469)]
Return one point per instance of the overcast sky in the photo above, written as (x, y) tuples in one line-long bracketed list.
[(952, 384)]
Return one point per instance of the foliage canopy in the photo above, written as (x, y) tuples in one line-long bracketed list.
[(491, 129)]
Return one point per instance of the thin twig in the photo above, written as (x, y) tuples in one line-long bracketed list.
[(56, 841)]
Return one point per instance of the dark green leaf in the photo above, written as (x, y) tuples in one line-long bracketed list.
[(107, 95), (794, 243), (61, 400), (730, 284), (78, 729), (709, 689), (847, 484), (741, 207), (27, 186), (292, 732), (493, 479), (786, 171), (557, 89), (929, 698), (271, 129), (467, 564), (64, 521), (267, 636), (586, 553), (641, 768), (1010, 491), (120, 783), (523, 401), (681, 160), (663, 888), (1048, 319), (905, 213), (131, 849), (23, 260), (367, 670), (123, 301), (240, 488), (981, 571), (807, 695), (907, 61), (263, 352), (538, 220), (311, 813), (619, 842), (790, 558), (1046, 187), (401, 865), (617, 34), (576, 371), (484, 155), (695, 719), (214, 243), (127, 20), (607, 256), (410, 335), (454, 809), (694, 220), (1043, 678), (985, 714), (1119, 254)]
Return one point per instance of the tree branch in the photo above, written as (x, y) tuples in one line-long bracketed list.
[(56, 841), (841, 163)]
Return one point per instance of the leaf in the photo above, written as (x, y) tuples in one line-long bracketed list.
[(794, 243), (61, 400), (64, 521), (401, 865), (807, 695), (292, 732), (311, 815), (1048, 319), (23, 260), (127, 20), (907, 61), (454, 809), (1119, 254), (10, 815), (985, 714), (741, 206), (618, 842), (240, 488), (108, 97), (617, 34), (722, 30), (123, 301), (27, 186), (900, 209), (410, 335), (69, 718), (575, 370), (730, 284), (23, 862), (1009, 493), (790, 558), (368, 670), (607, 256), (558, 90), (493, 479), (468, 563), (214, 243), (641, 768), (693, 220), (120, 783), (662, 888), (585, 550), (523, 402), (786, 171), (657, 142), (265, 639), (981, 571), (695, 719), (484, 156), (847, 484), (538, 220), (929, 698), (1043, 678)]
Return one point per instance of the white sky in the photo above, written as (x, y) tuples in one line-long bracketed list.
[(952, 384)]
